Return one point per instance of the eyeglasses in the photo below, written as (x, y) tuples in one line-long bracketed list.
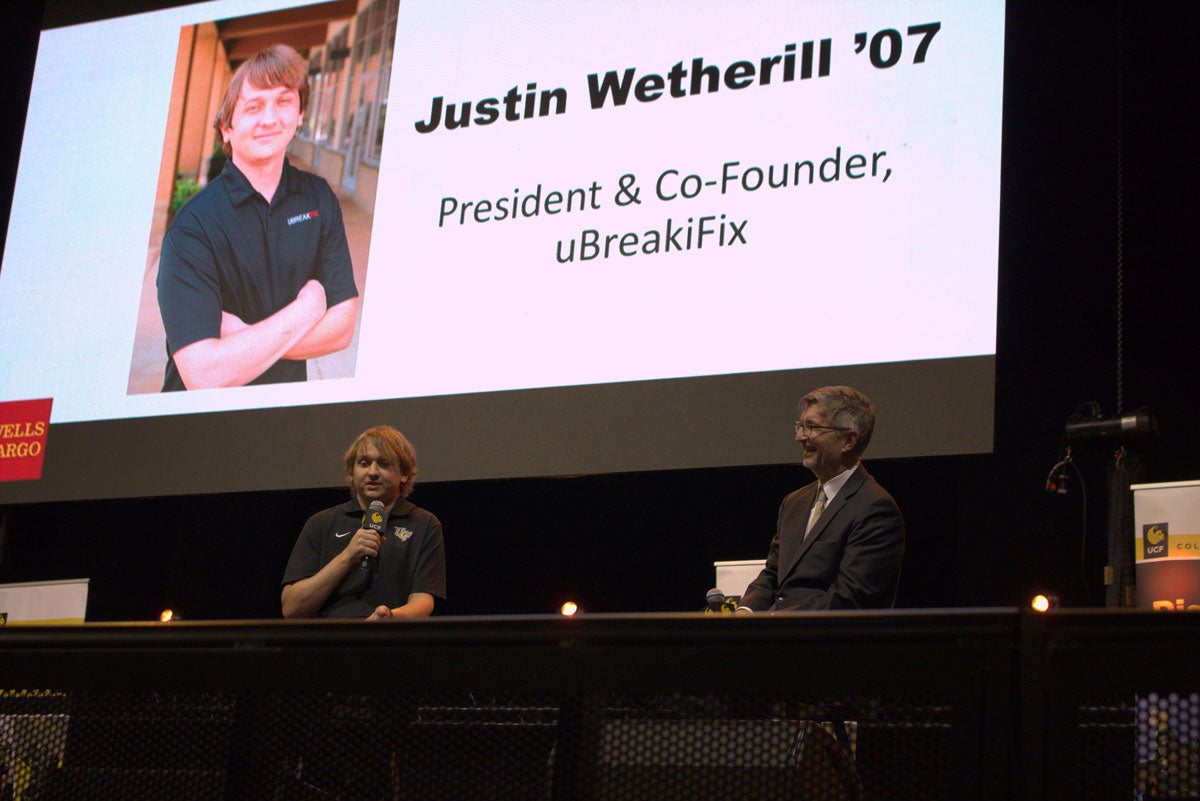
[(812, 429)]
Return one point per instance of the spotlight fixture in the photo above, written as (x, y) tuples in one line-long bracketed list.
[(569, 609), (168, 616), (1133, 428)]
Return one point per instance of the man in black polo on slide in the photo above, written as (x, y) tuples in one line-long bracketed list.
[(255, 274)]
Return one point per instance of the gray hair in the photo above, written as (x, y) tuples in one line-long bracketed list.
[(844, 407)]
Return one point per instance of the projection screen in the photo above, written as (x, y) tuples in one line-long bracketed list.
[(586, 237)]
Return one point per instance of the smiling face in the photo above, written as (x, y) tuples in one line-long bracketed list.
[(825, 449), (263, 124), (269, 90)]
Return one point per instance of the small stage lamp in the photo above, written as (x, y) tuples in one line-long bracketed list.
[(569, 609), (1043, 603), (167, 616)]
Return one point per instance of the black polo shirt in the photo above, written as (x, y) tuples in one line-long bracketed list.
[(228, 249), (411, 559)]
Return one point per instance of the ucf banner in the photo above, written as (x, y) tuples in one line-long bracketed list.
[(1167, 545)]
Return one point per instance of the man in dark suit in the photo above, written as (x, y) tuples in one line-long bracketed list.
[(839, 541)]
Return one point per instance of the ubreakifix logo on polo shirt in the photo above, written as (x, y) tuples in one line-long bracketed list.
[(1154, 540), (305, 217)]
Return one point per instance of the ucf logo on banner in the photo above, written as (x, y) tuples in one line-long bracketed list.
[(1167, 545)]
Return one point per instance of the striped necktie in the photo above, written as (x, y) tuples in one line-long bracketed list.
[(817, 509)]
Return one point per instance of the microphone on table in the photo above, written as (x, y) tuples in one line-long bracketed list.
[(718, 603), (714, 599), (373, 520)]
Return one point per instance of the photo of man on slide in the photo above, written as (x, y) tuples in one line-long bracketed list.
[(255, 275)]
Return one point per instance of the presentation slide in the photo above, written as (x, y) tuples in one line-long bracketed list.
[(565, 208)]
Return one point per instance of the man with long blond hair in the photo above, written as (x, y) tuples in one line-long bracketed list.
[(343, 567), (255, 274)]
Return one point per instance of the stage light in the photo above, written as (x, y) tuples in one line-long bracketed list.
[(1043, 603), (1134, 428), (167, 616), (569, 609)]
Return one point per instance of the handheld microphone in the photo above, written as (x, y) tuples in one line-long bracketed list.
[(373, 519), (714, 598)]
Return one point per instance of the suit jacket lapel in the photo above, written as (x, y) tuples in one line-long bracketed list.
[(834, 506), (793, 547)]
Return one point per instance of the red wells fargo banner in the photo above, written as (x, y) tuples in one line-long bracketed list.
[(23, 428)]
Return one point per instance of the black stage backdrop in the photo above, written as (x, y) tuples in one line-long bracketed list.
[(1081, 78)]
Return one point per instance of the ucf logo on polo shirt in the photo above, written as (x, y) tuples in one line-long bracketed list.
[(402, 533)]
